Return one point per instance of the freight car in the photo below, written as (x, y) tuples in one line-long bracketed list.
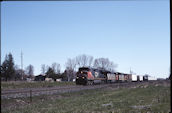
[(122, 77), (111, 77), (141, 78), (134, 78), (119, 77)]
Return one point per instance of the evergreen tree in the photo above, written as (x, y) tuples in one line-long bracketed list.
[(64, 76), (50, 73), (7, 68)]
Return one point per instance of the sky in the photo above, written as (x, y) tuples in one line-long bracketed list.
[(133, 34)]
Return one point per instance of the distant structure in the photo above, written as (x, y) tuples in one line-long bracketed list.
[(40, 78)]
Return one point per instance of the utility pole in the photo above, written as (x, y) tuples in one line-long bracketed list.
[(22, 65), (130, 71)]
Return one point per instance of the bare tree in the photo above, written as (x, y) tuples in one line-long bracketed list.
[(30, 70), (111, 66), (104, 63), (53, 66), (43, 69), (84, 60), (90, 61), (56, 67), (101, 63), (19, 73), (70, 68)]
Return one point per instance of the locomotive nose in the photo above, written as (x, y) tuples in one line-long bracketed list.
[(81, 79)]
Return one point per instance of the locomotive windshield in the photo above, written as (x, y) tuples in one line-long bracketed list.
[(83, 69)]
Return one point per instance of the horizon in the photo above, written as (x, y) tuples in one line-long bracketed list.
[(133, 34)]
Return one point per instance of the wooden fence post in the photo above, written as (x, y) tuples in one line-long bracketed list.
[(30, 96)]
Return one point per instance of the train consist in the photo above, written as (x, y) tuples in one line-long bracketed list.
[(89, 76)]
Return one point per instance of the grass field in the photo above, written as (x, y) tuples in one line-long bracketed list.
[(19, 84), (151, 99)]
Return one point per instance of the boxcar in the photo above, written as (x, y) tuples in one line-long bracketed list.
[(145, 78), (119, 77), (141, 78), (111, 77), (134, 78)]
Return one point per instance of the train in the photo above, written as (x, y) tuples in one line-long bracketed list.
[(90, 76)]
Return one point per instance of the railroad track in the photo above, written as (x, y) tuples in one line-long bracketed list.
[(17, 93), (28, 92)]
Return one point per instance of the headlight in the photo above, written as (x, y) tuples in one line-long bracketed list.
[(77, 77), (83, 77)]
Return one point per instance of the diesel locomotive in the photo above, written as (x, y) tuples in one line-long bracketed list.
[(90, 76)]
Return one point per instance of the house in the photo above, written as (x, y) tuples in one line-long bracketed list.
[(40, 78)]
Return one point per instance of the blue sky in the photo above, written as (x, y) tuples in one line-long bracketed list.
[(132, 34)]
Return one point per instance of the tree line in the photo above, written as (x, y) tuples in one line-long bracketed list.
[(10, 71)]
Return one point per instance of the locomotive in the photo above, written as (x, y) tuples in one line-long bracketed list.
[(89, 76), (86, 75)]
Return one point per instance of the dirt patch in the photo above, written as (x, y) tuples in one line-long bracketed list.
[(141, 107), (108, 105)]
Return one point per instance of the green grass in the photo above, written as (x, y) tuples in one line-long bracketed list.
[(15, 85), (153, 99)]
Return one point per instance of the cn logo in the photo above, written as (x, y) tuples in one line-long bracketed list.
[(96, 74)]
